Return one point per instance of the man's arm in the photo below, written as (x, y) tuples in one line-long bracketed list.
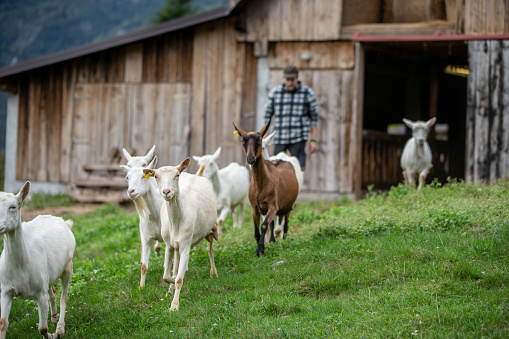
[(269, 108), (312, 142), (314, 120)]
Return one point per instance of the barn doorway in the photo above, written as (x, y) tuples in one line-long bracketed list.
[(417, 81)]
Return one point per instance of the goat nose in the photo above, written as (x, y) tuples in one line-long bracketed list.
[(250, 159), (166, 192), (130, 191)]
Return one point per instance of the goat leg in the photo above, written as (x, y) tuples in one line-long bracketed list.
[(183, 254), (272, 239), (146, 244), (210, 248), (256, 222), (261, 243), (5, 307), (53, 304), (168, 258), (42, 303), (66, 279), (157, 247), (269, 218), (287, 218)]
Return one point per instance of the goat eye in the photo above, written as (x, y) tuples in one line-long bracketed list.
[(13, 207)]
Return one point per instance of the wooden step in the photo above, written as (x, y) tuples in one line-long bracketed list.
[(113, 169), (109, 183)]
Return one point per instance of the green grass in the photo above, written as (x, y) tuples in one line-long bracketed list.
[(45, 200), (401, 264)]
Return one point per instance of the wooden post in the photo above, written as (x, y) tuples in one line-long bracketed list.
[(357, 118)]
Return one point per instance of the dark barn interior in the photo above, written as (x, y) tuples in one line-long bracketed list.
[(417, 81)]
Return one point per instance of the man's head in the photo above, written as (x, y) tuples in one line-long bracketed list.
[(291, 75)]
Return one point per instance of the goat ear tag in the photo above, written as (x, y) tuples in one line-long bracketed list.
[(236, 133), (147, 176)]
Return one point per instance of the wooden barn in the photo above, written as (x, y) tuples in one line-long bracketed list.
[(181, 84)]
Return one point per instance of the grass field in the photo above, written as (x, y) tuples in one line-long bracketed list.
[(401, 264)]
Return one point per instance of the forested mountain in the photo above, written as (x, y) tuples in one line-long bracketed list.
[(33, 28)]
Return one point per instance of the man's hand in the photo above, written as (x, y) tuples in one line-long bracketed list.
[(312, 147)]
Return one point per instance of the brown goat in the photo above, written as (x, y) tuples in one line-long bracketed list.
[(273, 188)]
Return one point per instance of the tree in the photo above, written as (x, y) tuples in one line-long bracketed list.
[(174, 9)]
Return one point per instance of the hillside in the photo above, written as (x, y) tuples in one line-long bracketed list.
[(30, 28)]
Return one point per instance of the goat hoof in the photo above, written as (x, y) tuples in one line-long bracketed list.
[(259, 251)]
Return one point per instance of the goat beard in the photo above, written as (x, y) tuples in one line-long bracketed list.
[(142, 208)]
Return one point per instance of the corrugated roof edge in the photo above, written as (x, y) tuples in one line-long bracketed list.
[(149, 32)]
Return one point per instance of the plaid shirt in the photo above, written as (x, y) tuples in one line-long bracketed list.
[(295, 112)]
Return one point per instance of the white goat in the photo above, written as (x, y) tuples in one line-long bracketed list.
[(231, 185), (266, 142), (142, 190), (416, 157), (187, 216), (36, 254), (142, 161)]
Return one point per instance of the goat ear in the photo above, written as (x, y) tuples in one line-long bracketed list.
[(153, 163), (217, 153), (408, 123), (23, 193), (241, 132), (126, 154), (431, 122), (264, 129), (269, 139), (150, 154), (125, 168), (183, 165), (149, 172)]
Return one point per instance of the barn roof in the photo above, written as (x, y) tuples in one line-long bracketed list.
[(166, 27)]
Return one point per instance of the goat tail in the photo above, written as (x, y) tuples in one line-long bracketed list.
[(69, 223)]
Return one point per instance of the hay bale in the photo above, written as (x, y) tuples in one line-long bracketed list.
[(418, 10), (361, 11)]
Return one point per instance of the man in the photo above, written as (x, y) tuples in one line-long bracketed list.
[(296, 113)]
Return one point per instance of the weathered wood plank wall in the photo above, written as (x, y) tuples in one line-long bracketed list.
[(486, 16), (56, 116), (292, 20), (487, 154), (109, 116), (220, 66)]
